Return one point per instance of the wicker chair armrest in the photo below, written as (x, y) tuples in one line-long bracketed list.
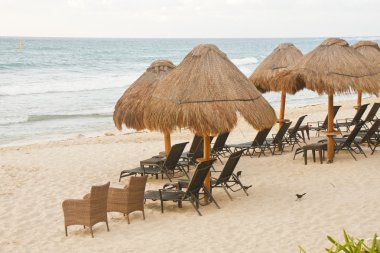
[(87, 196), (76, 204)]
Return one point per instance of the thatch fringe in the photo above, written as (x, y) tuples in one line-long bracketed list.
[(204, 93), (283, 56), (333, 67), (130, 107)]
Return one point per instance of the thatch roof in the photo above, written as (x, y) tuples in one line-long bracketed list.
[(333, 67), (130, 107), (283, 56), (369, 49), (204, 93)]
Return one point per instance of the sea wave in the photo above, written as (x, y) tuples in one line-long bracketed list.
[(48, 117), (245, 61), (42, 84)]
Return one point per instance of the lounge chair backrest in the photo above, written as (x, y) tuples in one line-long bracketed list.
[(353, 134), (198, 153), (374, 128), (260, 137), (220, 141), (229, 167), (372, 113), (136, 190), (359, 113), (281, 132), (196, 182), (335, 111), (98, 201), (195, 143), (297, 126), (174, 155)]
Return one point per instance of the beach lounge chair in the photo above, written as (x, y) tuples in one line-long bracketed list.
[(218, 149), (89, 210), (160, 165), (278, 141), (227, 179), (192, 192), (371, 137), (348, 122), (194, 145), (251, 147), (293, 137), (192, 158), (128, 199), (371, 116), (348, 143), (322, 125)]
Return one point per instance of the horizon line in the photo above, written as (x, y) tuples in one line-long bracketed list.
[(96, 37)]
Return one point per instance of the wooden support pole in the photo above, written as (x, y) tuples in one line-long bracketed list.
[(282, 109), (330, 129), (359, 101), (206, 156), (167, 142)]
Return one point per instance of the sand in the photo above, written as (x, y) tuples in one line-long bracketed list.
[(35, 179)]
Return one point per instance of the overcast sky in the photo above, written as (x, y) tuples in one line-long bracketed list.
[(189, 18)]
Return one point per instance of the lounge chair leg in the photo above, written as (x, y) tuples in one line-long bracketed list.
[(211, 197), (92, 233), (108, 228), (229, 195), (196, 209)]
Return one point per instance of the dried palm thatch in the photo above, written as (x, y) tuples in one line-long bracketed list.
[(333, 67), (283, 56), (369, 49), (130, 107), (204, 93)]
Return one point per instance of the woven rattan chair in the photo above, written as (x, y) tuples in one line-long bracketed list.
[(89, 210), (129, 199)]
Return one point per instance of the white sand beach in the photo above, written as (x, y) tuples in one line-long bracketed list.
[(36, 178)]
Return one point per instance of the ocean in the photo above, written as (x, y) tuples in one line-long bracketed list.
[(57, 88)]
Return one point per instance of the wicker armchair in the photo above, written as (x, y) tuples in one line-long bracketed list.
[(89, 210), (128, 199)]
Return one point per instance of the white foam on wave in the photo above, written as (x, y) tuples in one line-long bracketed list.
[(245, 61), (67, 85)]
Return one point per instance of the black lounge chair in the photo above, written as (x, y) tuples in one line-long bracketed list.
[(227, 179), (293, 137), (278, 140), (348, 143), (194, 145), (192, 158), (192, 192), (322, 125), (218, 149), (157, 165), (371, 116), (371, 137), (348, 122), (251, 147)]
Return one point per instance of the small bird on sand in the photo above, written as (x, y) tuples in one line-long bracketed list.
[(299, 196)]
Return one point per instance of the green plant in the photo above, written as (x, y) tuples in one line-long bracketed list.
[(351, 245)]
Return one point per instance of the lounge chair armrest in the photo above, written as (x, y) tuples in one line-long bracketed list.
[(174, 185), (341, 121)]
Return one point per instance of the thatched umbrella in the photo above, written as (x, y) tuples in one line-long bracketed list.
[(333, 67), (204, 93), (283, 56), (371, 51), (130, 108)]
